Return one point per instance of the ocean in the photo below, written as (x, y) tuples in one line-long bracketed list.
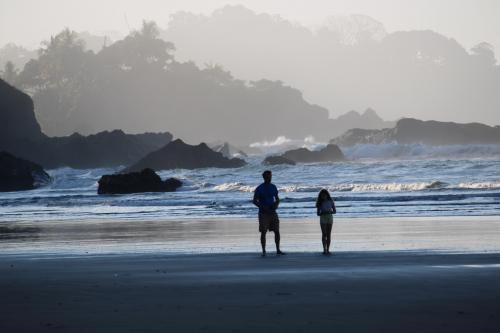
[(376, 181)]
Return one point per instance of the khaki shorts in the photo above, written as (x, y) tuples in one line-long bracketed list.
[(269, 221)]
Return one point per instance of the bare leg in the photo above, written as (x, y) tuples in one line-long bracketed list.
[(263, 242), (328, 237), (324, 237), (277, 239)]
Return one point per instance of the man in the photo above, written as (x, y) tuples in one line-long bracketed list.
[(266, 198)]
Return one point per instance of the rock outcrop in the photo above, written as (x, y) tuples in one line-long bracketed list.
[(330, 153), (20, 135), (436, 133), (17, 174), (277, 160), (135, 182), (363, 136), (369, 119), (17, 119), (444, 133), (180, 155), (104, 149), (228, 150)]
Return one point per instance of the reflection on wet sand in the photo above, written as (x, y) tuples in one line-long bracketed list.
[(465, 234), (18, 232)]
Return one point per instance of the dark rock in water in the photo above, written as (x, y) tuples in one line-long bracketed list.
[(144, 181), (444, 133), (276, 160), (436, 133), (20, 134), (17, 174), (179, 155), (331, 153)]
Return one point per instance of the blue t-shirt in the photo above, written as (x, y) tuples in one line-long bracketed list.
[(266, 194)]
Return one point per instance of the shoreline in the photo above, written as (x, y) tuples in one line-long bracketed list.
[(310, 217)]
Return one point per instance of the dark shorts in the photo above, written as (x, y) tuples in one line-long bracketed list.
[(269, 221)]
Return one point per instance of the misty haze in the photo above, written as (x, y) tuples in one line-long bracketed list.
[(243, 166)]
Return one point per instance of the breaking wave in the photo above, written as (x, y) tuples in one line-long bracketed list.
[(481, 185), (234, 186), (369, 187), (282, 143), (389, 187)]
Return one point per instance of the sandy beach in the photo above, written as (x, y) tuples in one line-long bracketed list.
[(380, 292), (404, 275)]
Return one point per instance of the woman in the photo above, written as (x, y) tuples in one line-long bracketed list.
[(325, 209)]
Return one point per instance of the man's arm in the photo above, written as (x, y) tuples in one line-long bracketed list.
[(276, 201), (256, 199)]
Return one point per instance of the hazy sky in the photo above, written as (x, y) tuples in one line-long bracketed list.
[(27, 22)]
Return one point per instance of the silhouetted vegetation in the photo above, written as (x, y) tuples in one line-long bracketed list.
[(15, 54), (9, 72), (135, 84)]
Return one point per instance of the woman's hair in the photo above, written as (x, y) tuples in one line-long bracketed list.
[(319, 200)]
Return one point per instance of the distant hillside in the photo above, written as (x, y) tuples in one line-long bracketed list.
[(348, 62), (435, 133), (369, 119), (137, 85)]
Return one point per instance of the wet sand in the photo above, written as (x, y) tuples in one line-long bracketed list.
[(398, 275), (300, 292), (96, 237)]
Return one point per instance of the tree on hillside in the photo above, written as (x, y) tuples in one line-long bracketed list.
[(62, 58), (217, 74), (485, 52), (57, 77), (141, 50), (17, 54), (9, 73)]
